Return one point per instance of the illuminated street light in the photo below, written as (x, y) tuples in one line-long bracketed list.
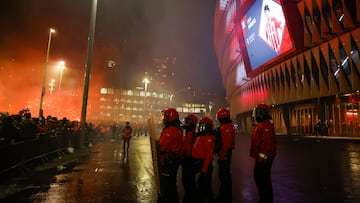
[(51, 85), (45, 70), (62, 68), (146, 82)]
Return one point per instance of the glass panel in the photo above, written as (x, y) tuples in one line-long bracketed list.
[(315, 70), (326, 12), (338, 9), (344, 63), (277, 80), (300, 73), (355, 56), (334, 67), (308, 21), (282, 78), (351, 6), (306, 72), (324, 69), (287, 76), (316, 15), (293, 75)]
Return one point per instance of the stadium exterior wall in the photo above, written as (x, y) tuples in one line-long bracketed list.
[(319, 82)]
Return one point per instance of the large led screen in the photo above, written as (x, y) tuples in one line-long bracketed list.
[(265, 32)]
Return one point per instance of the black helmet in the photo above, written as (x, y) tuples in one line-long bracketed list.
[(190, 122), (261, 112), (205, 125)]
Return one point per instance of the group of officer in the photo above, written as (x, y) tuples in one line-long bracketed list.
[(193, 144)]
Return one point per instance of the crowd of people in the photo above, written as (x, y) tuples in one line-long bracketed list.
[(194, 144), (22, 127)]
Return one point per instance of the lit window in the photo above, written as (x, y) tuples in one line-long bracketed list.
[(130, 93), (103, 91)]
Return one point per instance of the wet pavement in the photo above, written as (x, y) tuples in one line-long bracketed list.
[(306, 170)]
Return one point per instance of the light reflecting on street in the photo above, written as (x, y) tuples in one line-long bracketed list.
[(104, 176), (351, 166), (305, 170)]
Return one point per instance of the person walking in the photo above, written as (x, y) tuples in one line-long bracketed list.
[(203, 152), (171, 150), (226, 134), (126, 137), (188, 170), (263, 150)]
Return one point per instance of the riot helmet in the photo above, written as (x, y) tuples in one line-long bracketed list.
[(205, 126), (190, 122), (261, 112), (170, 117), (223, 116)]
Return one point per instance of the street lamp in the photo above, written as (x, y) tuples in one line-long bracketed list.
[(51, 85), (146, 82), (88, 71), (62, 68), (45, 70)]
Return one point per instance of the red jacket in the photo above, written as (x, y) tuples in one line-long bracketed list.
[(263, 140), (171, 140), (227, 139), (188, 143), (126, 132), (204, 149)]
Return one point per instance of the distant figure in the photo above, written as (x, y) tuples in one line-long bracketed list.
[(113, 130), (325, 128), (263, 150), (317, 128), (126, 136)]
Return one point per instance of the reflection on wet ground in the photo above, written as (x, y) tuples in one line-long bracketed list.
[(105, 176), (305, 170)]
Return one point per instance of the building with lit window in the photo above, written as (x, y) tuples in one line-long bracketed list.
[(299, 56), (136, 106), (121, 105)]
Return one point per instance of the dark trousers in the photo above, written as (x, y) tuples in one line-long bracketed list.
[(168, 186), (126, 145), (225, 191), (262, 177), (205, 194), (188, 180)]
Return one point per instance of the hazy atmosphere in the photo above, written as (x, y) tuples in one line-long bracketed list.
[(131, 33)]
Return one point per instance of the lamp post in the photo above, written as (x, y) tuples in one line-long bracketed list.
[(51, 85), (62, 68), (146, 82), (45, 70), (87, 71)]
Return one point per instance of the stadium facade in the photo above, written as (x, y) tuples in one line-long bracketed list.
[(299, 56)]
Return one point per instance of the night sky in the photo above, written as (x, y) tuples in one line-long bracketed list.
[(130, 32)]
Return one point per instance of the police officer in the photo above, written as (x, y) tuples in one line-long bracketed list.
[(170, 146), (263, 150), (227, 135), (188, 170), (203, 152)]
